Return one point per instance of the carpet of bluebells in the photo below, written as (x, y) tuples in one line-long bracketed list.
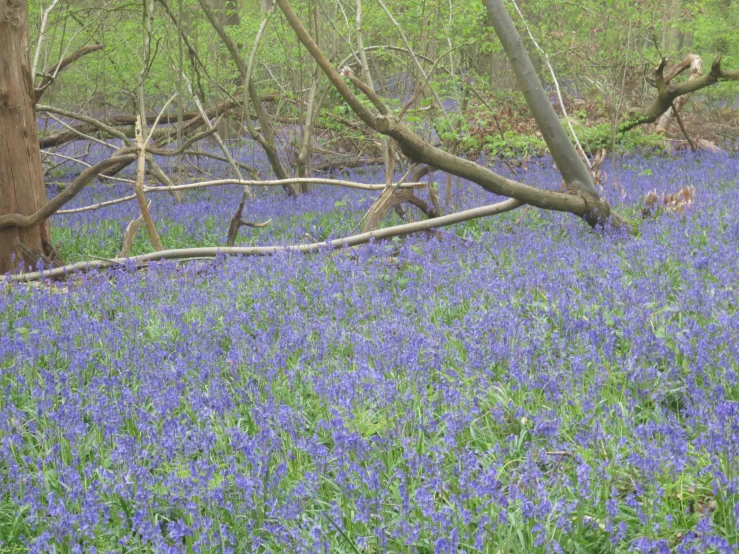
[(515, 384)]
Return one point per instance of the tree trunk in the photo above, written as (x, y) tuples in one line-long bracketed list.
[(21, 174), (573, 170)]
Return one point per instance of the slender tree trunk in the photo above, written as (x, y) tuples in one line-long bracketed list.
[(576, 175), (21, 174)]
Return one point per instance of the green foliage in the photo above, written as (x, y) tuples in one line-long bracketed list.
[(513, 145), (593, 138)]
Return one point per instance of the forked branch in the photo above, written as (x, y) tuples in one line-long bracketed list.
[(50, 76), (669, 91)]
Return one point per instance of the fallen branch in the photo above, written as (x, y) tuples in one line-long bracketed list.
[(355, 240), (129, 234), (237, 182)]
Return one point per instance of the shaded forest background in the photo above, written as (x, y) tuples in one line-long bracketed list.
[(603, 54)]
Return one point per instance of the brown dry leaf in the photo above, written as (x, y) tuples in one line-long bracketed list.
[(675, 202)]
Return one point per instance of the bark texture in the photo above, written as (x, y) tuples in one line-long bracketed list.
[(21, 174)]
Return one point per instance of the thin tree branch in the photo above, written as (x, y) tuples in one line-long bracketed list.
[(236, 182)]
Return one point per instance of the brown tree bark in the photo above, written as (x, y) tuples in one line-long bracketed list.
[(668, 92), (21, 174)]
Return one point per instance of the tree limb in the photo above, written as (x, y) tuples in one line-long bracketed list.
[(355, 240), (50, 75), (667, 92), (48, 209)]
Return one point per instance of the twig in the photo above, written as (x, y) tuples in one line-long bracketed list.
[(112, 131), (81, 134), (520, 219), (156, 121), (679, 119), (81, 162)]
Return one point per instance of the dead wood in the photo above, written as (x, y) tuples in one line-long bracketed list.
[(675, 202), (668, 91), (129, 234), (355, 240), (139, 189), (390, 199), (237, 223), (695, 63)]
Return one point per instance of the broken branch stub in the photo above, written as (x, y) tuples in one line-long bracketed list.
[(389, 199)]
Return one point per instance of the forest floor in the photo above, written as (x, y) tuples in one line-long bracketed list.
[(513, 384)]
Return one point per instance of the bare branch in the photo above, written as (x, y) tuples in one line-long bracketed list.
[(50, 75), (42, 31), (236, 182), (111, 131), (98, 205), (355, 240), (48, 209), (139, 189), (156, 121), (695, 63), (667, 91), (129, 234), (81, 162)]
